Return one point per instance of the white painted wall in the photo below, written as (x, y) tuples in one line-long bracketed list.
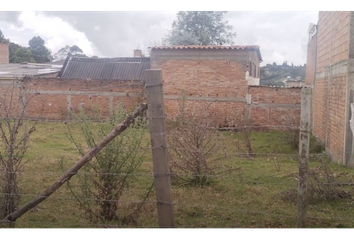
[(251, 80)]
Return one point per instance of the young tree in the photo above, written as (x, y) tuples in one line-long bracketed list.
[(15, 134), (41, 54), (200, 28), (107, 177)]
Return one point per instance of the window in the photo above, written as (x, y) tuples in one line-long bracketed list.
[(255, 71)]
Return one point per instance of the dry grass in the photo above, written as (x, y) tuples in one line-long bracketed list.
[(246, 198)]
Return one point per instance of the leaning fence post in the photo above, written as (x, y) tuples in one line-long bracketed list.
[(156, 116), (304, 146)]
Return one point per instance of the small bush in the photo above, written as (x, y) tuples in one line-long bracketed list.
[(323, 185), (107, 177), (195, 145)]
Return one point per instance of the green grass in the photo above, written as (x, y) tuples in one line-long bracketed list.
[(245, 198)]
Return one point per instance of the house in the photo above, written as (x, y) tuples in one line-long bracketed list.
[(224, 80), (209, 69), (330, 71)]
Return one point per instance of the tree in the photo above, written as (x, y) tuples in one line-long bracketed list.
[(3, 39), (200, 28), (40, 53), (285, 63), (23, 55), (15, 135), (274, 63), (19, 54), (75, 48), (67, 50)]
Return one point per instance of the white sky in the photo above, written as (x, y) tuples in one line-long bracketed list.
[(281, 35)]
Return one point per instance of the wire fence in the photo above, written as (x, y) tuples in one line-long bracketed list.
[(240, 188), (225, 208)]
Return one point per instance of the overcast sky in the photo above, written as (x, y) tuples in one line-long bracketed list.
[(280, 35)]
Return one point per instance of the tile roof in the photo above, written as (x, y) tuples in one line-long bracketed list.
[(247, 47), (211, 47), (105, 68)]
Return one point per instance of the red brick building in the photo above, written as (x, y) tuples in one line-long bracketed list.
[(330, 69), (227, 79), (4, 53)]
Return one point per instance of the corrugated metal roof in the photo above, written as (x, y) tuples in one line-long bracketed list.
[(105, 68), (211, 47)]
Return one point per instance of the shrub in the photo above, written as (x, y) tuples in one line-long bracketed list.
[(107, 177)]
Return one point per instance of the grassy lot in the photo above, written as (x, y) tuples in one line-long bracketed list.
[(248, 197)]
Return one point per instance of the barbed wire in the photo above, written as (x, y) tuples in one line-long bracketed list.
[(241, 154), (83, 199), (102, 225), (209, 126), (182, 205)]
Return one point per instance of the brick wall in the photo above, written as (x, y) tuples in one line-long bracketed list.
[(213, 81), (268, 105), (55, 96), (203, 77), (333, 38), (329, 79), (275, 106), (336, 120), (216, 80), (329, 121), (4, 53)]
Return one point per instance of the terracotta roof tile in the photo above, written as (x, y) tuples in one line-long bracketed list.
[(231, 47)]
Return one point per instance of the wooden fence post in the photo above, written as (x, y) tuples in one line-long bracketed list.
[(304, 147), (156, 116)]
